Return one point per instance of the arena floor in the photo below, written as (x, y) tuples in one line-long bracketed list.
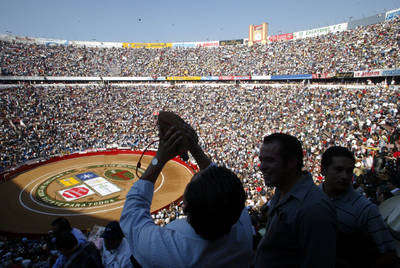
[(87, 190)]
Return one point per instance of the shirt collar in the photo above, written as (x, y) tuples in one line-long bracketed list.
[(346, 196), (299, 190)]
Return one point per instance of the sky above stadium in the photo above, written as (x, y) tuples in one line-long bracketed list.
[(175, 20)]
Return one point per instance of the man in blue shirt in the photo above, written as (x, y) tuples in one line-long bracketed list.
[(363, 240), (217, 231), (301, 220)]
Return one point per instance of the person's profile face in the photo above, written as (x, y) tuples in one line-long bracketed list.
[(339, 173), (272, 165)]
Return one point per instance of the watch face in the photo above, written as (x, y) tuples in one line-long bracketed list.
[(154, 162)]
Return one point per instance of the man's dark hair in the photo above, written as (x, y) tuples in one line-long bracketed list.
[(62, 224), (290, 147), (65, 240), (335, 151), (214, 201)]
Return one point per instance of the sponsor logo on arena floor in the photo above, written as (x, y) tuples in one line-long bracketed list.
[(87, 187)]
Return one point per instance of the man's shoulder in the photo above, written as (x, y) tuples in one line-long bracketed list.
[(354, 202), (316, 196)]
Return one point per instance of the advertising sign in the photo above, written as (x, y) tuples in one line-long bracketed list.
[(146, 45), (261, 77), (344, 75), (207, 44), (102, 186), (323, 75), (180, 78), (392, 72), (372, 73), (281, 37), (289, 77), (231, 42), (76, 192), (209, 78), (184, 45), (320, 31), (392, 14)]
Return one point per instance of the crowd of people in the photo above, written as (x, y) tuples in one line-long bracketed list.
[(364, 48), (39, 122)]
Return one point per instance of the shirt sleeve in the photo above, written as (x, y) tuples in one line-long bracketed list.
[(376, 228), (317, 236), (152, 245)]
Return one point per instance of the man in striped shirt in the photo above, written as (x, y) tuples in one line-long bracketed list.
[(363, 240)]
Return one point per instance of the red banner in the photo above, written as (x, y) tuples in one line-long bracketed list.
[(281, 37)]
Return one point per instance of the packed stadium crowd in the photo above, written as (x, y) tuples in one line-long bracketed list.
[(52, 120), (38, 122), (364, 48)]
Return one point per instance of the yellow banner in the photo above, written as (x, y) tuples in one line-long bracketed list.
[(146, 45), (69, 182), (183, 78)]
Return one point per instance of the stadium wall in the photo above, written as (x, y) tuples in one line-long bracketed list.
[(378, 18), (391, 14)]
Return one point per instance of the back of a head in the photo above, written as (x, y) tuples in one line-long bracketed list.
[(214, 201), (65, 241), (61, 224), (335, 151), (290, 147)]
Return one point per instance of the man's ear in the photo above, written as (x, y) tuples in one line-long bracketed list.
[(291, 164)]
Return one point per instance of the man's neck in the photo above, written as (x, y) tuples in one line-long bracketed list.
[(284, 189), (329, 191)]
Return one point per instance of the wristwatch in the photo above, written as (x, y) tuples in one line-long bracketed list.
[(154, 162)]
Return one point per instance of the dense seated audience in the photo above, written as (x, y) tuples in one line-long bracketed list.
[(364, 48), (45, 121)]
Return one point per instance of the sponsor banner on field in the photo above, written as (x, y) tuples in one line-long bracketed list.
[(102, 186), (345, 75), (371, 73), (86, 176), (289, 77), (320, 31), (76, 192), (323, 75), (261, 77), (280, 37), (146, 45), (207, 44), (392, 14), (69, 181), (180, 78), (160, 78), (184, 44), (231, 42), (392, 72)]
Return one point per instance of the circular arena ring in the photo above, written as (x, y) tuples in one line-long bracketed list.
[(86, 188)]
